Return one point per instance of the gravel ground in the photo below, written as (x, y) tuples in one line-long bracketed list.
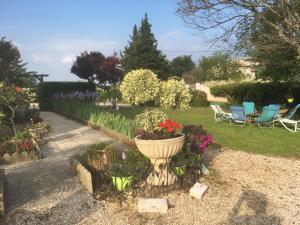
[(243, 189)]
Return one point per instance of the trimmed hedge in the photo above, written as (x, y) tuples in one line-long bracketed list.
[(260, 93), (199, 98), (48, 89)]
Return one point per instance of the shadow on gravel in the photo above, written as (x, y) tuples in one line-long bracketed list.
[(68, 211), (251, 208), (212, 153)]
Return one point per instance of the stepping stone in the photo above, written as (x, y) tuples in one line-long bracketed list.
[(153, 205), (198, 190)]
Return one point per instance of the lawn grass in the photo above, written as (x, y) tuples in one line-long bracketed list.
[(266, 141)]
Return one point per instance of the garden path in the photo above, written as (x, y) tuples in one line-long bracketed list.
[(38, 186)]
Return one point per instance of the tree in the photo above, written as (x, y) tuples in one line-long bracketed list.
[(102, 71), (276, 59), (12, 69), (181, 64), (220, 66), (142, 52), (231, 16)]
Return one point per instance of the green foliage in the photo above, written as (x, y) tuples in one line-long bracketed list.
[(130, 163), (174, 95), (199, 98), (48, 89), (12, 69), (193, 76), (98, 116), (149, 120), (260, 93), (104, 95), (14, 96), (140, 87), (277, 57), (142, 52), (181, 64), (23, 135), (220, 66)]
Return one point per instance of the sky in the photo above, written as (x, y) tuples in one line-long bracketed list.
[(49, 34)]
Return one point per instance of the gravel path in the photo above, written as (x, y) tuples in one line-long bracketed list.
[(243, 189)]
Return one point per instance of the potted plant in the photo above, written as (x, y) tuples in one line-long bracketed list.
[(197, 141), (179, 163), (159, 139), (122, 173)]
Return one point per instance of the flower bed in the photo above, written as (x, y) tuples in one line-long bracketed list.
[(23, 147)]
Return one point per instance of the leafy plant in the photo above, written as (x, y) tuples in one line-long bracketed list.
[(174, 95), (23, 135), (199, 98), (140, 87), (150, 121), (98, 116)]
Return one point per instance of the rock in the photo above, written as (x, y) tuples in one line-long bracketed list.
[(205, 171), (153, 205), (6, 157), (198, 190)]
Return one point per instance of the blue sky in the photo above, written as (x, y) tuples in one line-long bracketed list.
[(51, 33)]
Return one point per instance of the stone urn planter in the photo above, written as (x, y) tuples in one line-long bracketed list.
[(160, 153)]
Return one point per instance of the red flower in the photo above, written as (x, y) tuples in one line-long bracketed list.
[(18, 89)]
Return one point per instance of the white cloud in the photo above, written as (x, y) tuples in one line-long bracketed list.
[(68, 59), (177, 42)]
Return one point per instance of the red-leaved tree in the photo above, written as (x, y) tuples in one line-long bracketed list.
[(102, 71)]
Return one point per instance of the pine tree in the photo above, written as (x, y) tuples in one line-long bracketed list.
[(142, 52)]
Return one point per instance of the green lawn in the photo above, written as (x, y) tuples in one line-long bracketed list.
[(277, 141)]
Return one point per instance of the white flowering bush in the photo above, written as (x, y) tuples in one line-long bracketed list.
[(149, 120), (174, 95), (140, 87)]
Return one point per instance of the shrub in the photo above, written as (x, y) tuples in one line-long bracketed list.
[(48, 89), (149, 120), (174, 95), (199, 98), (260, 93), (140, 87)]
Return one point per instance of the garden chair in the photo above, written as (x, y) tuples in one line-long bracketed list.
[(276, 106), (287, 120), (291, 112), (220, 115), (267, 116), (238, 115), (249, 108)]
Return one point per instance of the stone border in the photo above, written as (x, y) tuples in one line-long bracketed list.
[(83, 174), (24, 156), (114, 134), (2, 193)]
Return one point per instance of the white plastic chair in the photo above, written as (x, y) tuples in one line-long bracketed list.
[(294, 123), (220, 115)]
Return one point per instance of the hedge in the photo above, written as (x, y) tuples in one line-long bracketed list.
[(199, 98), (48, 89), (260, 93)]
